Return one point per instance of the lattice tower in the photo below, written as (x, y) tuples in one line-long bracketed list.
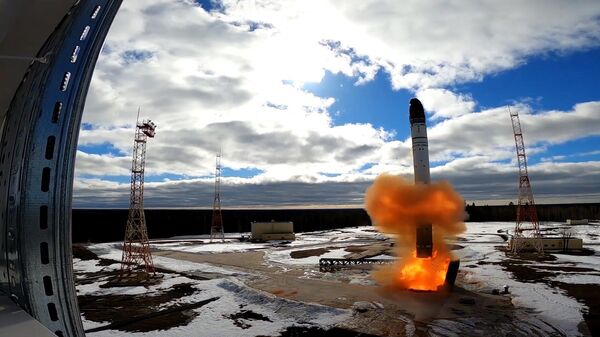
[(136, 250), (216, 226), (527, 224)]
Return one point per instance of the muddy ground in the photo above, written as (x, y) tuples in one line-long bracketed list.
[(134, 313), (379, 313), (588, 294), (394, 314)]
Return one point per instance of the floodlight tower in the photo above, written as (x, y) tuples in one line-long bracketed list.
[(216, 227), (136, 250), (527, 228)]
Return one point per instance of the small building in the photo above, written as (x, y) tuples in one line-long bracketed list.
[(551, 244), (265, 231), (577, 222)]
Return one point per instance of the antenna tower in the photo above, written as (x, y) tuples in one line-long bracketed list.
[(216, 226), (136, 250), (527, 225)]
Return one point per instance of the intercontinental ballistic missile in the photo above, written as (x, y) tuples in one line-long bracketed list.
[(420, 148)]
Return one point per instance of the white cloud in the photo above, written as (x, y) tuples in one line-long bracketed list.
[(444, 103), (232, 79), (208, 85), (429, 44), (99, 165), (474, 179), (489, 132)]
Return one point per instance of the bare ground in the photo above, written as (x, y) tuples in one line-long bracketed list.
[(398, 313), (588, 294), (299, 254), (397, 310)]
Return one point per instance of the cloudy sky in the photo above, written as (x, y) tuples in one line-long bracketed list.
[(308, 99)]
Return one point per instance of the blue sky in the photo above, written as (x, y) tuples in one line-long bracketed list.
[(374, 102), (316, 96), (547, 82), (550, 81), (553, 81)]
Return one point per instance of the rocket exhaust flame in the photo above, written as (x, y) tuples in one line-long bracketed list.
[(399, 207), (423, 273)]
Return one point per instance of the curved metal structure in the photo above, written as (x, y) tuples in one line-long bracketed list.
[(37, 155)]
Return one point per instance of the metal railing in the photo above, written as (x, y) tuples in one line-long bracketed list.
[(331, 264)]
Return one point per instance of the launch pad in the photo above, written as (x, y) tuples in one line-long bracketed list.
[(333, 264)]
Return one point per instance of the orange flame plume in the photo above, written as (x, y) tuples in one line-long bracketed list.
[(397, 207)]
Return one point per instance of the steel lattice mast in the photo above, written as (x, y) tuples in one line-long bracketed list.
[(216, 226), (527, 225), (136, 250)]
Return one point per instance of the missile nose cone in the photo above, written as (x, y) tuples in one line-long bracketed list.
[(416, 111)]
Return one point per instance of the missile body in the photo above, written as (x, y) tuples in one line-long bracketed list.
[(420, 148)]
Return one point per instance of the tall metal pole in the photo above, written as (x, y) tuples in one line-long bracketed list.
[(216, 227), (527, 224), (136, 249)]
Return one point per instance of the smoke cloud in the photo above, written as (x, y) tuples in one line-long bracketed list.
[(398, 207)]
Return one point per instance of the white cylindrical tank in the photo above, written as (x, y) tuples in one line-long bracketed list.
[(420, 146)]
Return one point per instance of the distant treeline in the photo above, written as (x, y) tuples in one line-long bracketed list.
[(103, 225), (555, 212)]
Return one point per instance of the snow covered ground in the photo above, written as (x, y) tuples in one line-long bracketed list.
[(202, 244), (549, 304), (271, 314), (232, 297), (483, 268)]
